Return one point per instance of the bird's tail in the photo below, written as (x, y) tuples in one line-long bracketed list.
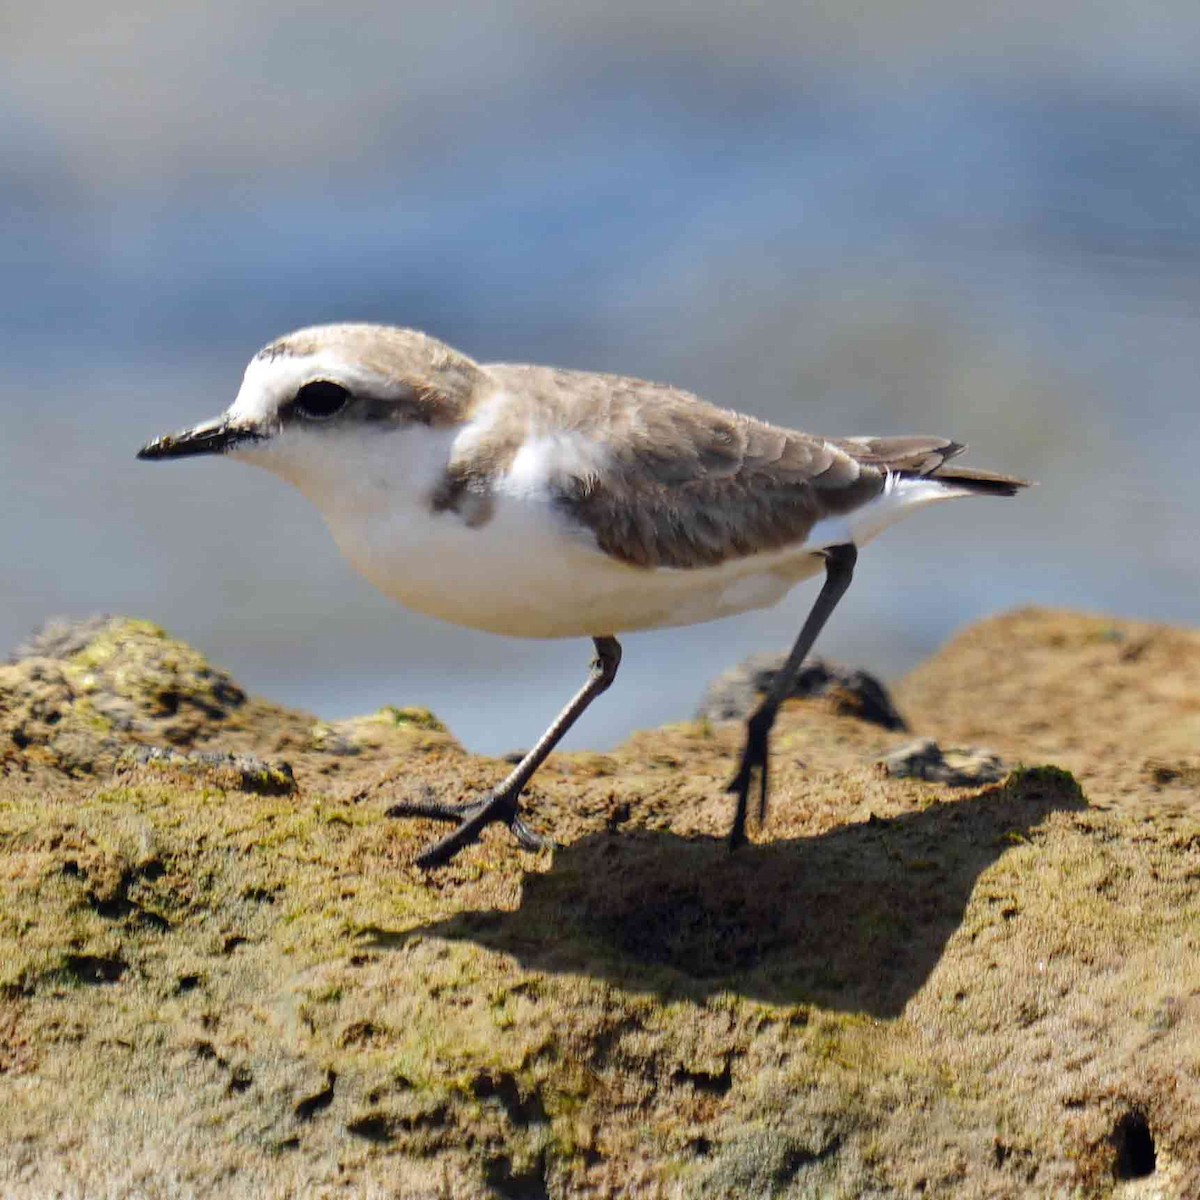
[(925, 458), (981, 483)]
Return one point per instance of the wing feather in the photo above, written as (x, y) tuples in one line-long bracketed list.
[(686, 484)]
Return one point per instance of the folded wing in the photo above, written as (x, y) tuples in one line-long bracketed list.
[(684, 484)]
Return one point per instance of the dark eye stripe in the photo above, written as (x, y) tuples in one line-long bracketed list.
[(320, 400)]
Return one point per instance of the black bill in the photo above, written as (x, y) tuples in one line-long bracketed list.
[(214, 437)]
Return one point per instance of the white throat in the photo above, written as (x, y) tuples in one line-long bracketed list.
[(359, 473)]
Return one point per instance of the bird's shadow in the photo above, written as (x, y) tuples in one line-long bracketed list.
[(853, 919)]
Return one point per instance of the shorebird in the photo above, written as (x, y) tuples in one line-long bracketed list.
[(545, 503)]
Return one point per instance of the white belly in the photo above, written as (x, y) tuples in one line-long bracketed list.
[(527, 571), (526, 574)]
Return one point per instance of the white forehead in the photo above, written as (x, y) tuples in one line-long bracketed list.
[(272, 381)]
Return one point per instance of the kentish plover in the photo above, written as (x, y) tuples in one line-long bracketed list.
[(547, 503)]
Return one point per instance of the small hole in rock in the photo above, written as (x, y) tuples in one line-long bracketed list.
[(1134, 1144), (374, 1127), (94, 968)]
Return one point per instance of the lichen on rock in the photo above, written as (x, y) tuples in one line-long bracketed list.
[(240, 772), (210, 988), (76, 692)]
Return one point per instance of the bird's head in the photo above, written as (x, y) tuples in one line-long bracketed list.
[(308, 399)]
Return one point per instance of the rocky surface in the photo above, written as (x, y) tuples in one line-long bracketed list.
[(957, 766), (734, 694), (221, 976)]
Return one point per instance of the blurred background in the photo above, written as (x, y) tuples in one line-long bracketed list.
[(972, 219)]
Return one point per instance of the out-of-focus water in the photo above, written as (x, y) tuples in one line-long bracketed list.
[(992, 235)]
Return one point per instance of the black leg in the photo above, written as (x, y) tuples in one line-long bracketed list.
[(839, 570), (503, 803)]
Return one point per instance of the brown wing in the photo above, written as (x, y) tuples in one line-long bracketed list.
[(686, 484), (911, 455), (749, 489)]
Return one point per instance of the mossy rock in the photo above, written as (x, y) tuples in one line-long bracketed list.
[(898, 988), (77, 692)]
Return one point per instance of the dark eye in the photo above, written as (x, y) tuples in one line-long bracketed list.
[(320, 399)]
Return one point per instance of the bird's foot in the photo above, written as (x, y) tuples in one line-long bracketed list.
[(471, 820)]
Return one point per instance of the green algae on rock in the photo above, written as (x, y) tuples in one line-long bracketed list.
[(899, 988), (77, 692), (389, 727)]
